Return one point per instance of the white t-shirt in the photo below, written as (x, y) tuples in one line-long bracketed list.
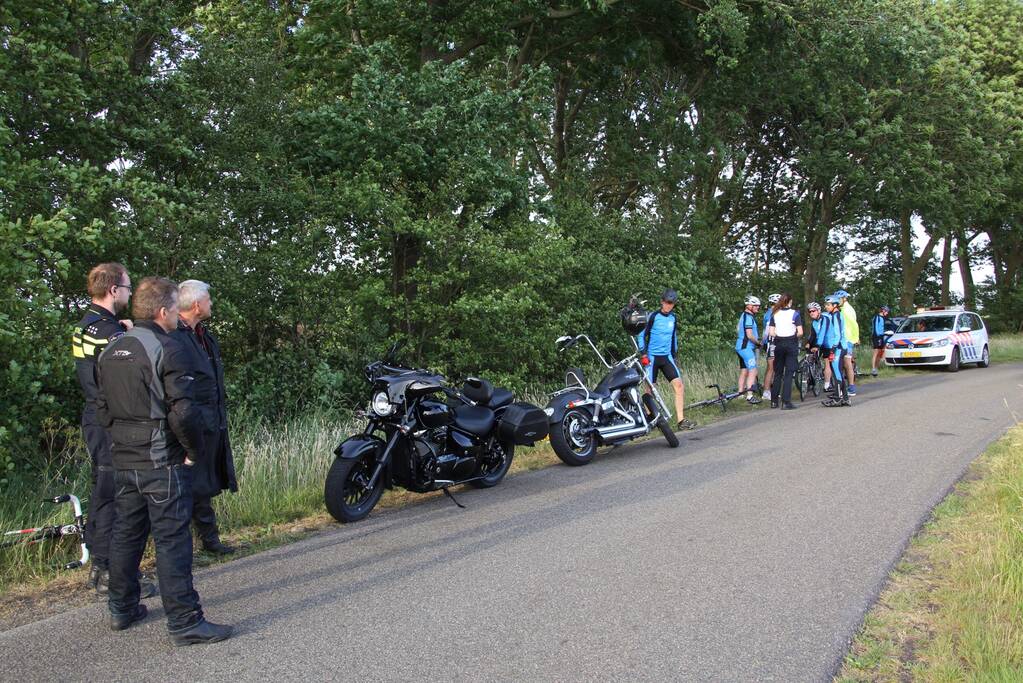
[(785, 322)]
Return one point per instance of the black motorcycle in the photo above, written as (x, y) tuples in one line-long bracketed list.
[(623, 406), (424, 436)]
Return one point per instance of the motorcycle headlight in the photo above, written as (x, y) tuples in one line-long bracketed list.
[(382, 405)]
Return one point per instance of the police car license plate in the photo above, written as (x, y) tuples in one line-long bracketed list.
[(912, 354)]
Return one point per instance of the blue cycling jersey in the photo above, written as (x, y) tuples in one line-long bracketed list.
[(820, 327), (878, 325), (767, 320), (835, 334), (746, 322), (659, 338)]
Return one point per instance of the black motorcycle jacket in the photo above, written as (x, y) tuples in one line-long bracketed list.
[(91, 335), (146, 399)]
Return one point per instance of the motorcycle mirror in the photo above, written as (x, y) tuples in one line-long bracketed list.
[(562, 340), (392, 352)]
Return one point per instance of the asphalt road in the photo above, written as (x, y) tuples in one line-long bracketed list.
[(750, 553)]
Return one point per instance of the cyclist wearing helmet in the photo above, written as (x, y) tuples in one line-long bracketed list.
[(852, 334), (833, 350), (877, 337), (768, 344), (746, 344), (659, 348)]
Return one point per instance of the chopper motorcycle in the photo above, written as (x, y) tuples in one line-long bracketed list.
[(424, 436), (623, 406)]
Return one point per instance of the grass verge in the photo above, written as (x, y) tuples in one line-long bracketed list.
[(953, 607)]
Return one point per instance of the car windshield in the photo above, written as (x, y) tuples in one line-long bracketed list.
[(928, 323)]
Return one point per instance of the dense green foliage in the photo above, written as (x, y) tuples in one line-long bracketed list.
[(477, 178)]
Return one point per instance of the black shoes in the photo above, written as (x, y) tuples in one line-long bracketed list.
[(119, 622), (788, 406), (203, 632), (99, 580), (215, 547), (774, 403)]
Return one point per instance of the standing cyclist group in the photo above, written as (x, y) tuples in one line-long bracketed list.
[(832, 335)]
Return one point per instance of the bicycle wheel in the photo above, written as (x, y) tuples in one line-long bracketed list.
[(800, 378)]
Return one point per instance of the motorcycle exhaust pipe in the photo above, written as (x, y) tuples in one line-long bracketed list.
[(621, 432)]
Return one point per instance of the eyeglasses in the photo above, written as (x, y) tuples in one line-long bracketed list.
[(128, 287)]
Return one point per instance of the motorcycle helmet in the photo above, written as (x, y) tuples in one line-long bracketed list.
[(773, 299), (752, 300), (633, 318), (813, 306)]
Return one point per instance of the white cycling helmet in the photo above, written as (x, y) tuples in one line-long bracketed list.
[(773, 299), (813, 306), (752, 300)]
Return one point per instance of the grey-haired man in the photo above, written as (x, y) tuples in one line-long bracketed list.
[(214, 472)]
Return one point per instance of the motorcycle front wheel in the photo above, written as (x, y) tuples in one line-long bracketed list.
[(346, 493), (499, 459), (571, 439), (662, 421)]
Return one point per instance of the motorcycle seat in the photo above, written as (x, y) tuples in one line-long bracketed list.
[(501, 398), (474, 419)]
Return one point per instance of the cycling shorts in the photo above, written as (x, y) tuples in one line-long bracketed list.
[(877, 342), (667, 367), (849, 348), (769, 349), (747, 358)]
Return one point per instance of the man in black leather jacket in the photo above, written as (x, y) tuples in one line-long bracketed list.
[(146, 391), (214, 472)]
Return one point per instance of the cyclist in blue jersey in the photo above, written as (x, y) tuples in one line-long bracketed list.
[(659, 345), (834, 350), (877, 338), (747, 341), (768, 345)]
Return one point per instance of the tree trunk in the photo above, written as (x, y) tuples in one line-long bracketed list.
[(912, 266), (407, 250), (966, 271), (946, 271)]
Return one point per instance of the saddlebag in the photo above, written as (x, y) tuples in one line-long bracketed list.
[(523, 423)]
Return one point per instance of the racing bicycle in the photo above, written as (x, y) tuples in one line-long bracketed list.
[(809, 375), (53, 531)]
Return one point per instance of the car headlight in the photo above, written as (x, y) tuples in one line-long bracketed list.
[(889, 346), (382, 405), (942, 342)]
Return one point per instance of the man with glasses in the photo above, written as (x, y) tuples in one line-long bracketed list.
[(109, 288)]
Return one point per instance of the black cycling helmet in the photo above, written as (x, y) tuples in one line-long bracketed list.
[(633, 318), (670, 295)]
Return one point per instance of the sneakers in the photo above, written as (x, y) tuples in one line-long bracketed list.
[(119, 622), (767, 395), (827, 387), (845, 402), (873, 373), (201, 633), (832, 403), (852, 389), (752, 400), (686, 424)]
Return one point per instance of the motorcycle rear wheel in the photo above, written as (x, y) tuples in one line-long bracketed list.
[(345, 492), (569, 444), (494, 477)]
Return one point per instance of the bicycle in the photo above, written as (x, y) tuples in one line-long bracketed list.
[(722, 398), (52, 531), (809, 375)]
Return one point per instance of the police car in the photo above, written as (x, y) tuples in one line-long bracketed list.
[(944, 335)]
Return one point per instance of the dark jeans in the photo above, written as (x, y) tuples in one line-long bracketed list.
[(205, 519), (160, 499), (100, 518), (786, 358)]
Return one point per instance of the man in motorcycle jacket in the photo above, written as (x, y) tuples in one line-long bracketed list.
[(659, 348), (146, 401)]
